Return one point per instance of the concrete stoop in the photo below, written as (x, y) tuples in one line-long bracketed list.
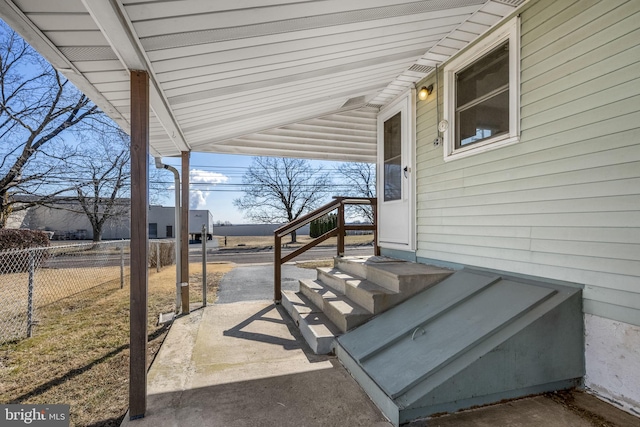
[(351, 293)]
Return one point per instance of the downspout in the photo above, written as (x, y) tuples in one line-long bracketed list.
[(176, 228)]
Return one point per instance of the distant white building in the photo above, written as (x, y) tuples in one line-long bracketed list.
[(162, 219), (66, 221), (69, 225)]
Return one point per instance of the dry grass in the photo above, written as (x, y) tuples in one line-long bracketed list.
[(54, 284), (312, 265), (51, 285), (80, 356), (257, 242), (215, 271)]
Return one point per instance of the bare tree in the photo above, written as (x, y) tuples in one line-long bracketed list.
[(360, 178), (280, 190), (37, 106), (102, 182)]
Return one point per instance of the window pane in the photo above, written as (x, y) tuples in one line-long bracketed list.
[(485, 120), (153, 230), (393, 158), (484, 76), (392, 180), (392, 137)]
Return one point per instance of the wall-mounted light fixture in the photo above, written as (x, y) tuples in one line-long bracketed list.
[(424, 92)]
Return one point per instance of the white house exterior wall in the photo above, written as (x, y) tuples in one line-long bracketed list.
[(564, 202)]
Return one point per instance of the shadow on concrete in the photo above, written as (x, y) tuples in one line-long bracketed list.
[(241, 365), (238, 332), (296, 342)]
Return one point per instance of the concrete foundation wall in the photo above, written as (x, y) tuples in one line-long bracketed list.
[(613, 361)]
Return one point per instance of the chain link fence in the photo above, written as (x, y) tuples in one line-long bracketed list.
[(32, 279)]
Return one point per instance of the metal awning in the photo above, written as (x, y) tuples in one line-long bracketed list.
[(301, 78)]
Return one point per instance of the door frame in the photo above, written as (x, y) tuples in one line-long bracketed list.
[(405, 104)]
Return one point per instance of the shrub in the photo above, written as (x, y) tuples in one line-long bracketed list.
[(167, 253), (323, 224), (22, 239), (13, 244)]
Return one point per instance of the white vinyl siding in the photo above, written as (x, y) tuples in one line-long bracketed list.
[(565, 202)]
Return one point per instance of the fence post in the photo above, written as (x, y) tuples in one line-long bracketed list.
[(204, 265), (157, 257), (122, 266), (32, 267)]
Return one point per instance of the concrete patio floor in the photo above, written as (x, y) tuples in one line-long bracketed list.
[(239, 364), (244, 364)]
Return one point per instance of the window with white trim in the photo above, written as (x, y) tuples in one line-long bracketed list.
[(482, 95)]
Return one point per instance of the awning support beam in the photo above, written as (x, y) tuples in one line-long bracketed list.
[(139, 276), (184, 230)]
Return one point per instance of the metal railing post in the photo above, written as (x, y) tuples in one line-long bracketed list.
[(277, 251), (32, 268), (204, 265), (341, 230), (374, 209)]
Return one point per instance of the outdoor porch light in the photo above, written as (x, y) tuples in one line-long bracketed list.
[(424, 92)]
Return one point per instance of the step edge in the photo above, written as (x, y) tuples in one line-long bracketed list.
[(319, 343)]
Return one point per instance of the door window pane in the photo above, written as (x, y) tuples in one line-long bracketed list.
[(393, 158)]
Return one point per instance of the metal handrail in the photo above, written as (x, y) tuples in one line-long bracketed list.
[(337, 203)]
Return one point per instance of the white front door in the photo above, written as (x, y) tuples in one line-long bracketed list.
[(396, 171)]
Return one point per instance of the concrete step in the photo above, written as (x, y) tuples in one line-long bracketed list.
[(351, 293), (314, 325), (399, 276), (352, 264), (343, 312), (363, 292)]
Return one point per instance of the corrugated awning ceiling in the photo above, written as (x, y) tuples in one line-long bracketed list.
[(260, 77)]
